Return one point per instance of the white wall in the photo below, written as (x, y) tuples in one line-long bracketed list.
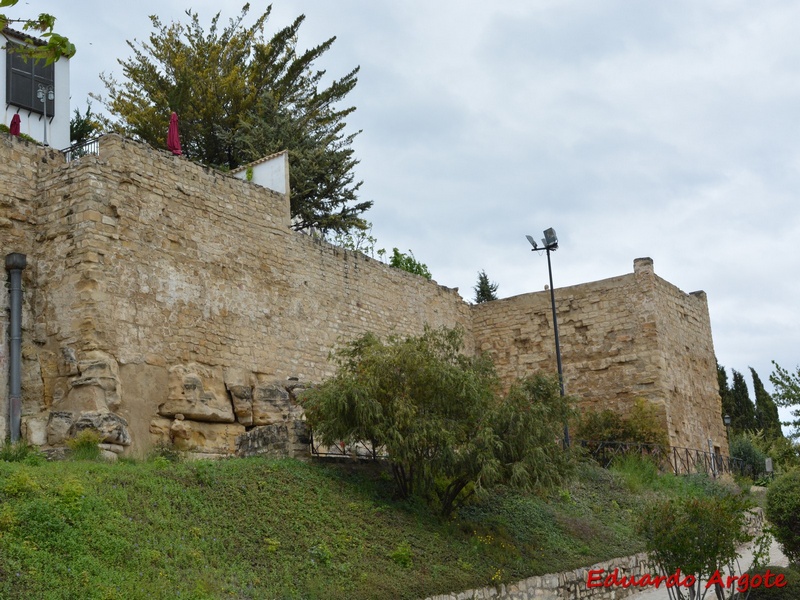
[(33, 124), (272, 173)]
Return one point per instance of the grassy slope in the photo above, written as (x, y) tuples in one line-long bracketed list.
[(254, 528)]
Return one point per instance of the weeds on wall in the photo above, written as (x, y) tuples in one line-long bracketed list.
[(85, 446)]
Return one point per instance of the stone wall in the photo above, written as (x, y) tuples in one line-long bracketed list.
[(22, 165), (633, 336), (570, 585), (178, 299)]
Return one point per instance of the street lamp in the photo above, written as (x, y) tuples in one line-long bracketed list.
[(727, 420), (550, 244), (45, 93)]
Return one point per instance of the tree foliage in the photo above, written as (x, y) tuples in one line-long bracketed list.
[(485, 290), (724, 390), (783, 512), (241, 96), (83, 127), (746, 447), (787, 393), (55, 45), (767, 419), (438, 416), (699, 536), (736, 402), (743, 417), (409, 263), (643, 425)]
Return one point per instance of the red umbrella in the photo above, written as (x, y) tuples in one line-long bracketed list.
[(14, 129), (173, 139)]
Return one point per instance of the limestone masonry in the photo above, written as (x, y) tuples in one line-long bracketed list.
[(165, 302)]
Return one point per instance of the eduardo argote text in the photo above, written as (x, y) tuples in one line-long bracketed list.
[(596, 579)]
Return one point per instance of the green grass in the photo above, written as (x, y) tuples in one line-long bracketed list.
[(256, 528)]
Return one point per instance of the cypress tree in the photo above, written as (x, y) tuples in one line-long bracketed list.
[(743, 413), (724, 390), (767, 417)]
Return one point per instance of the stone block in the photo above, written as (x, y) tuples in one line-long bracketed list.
[(96, 387), (206, 438), (112, 428), (273, 402), (198, 392), (160, 431), (34, 430), (58, 426)]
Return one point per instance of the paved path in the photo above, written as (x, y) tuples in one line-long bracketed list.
[(776, 558)]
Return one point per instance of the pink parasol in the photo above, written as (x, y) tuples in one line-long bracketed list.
[(14, 128), (173, 139)]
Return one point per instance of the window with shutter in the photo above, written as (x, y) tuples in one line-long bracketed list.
[(24, 77)]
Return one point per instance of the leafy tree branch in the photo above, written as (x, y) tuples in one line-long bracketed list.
[(55, 45)]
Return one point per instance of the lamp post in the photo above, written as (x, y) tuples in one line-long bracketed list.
[(727, 420), (45, 93), (550, 244)]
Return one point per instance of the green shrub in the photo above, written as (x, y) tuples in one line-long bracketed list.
[(743, 448), (403, 556), (407, 262), (20, 452), (84, 446), (643, 425), (696, 535), (639, 472), (787, 592), (23, 136), (783, 512), (165, 453)]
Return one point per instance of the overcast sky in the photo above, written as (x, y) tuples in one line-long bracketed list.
[(634, 128)]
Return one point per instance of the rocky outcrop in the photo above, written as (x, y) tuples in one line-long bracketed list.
[(278, 440), (205, 438), (96, 386), (197, 392), (94, 393), (112, 428)]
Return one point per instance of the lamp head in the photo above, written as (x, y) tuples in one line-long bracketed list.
[(727, 420), (532, 242), (550, 238)]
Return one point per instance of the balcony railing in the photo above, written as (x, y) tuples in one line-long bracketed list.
[(75, 151)]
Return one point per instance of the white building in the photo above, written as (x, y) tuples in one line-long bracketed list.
[(22, 81)]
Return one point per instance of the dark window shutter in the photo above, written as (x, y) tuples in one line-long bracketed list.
[(23, 78)]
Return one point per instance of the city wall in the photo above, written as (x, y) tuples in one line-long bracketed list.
[(628, 337), (165, 302)]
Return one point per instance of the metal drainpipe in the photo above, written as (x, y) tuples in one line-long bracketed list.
[(15, 263)]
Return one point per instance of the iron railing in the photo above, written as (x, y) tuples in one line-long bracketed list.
[(675, 460), (75, 151), (358, 450)]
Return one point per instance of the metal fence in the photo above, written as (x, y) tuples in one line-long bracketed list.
[(676, 460), (359, 450), (77, 150)]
